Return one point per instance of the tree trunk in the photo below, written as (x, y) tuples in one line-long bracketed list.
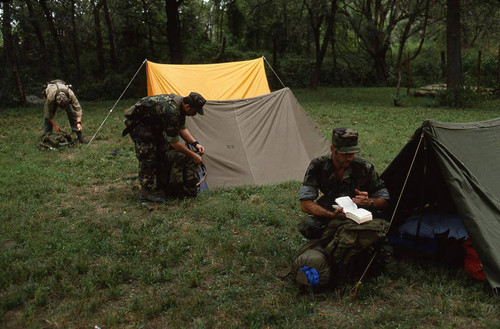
[(498, 78), (173, 31), (222, 56), (321, 48), (443, 64), (98, 38), (55, 36), (380, 64), (76, 52), (9, 46), (146, 16), (479, 71), (39, 34), (408, 75), (454, 75), (111, 37)]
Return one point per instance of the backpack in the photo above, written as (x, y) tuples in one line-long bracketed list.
[(341, 254), (56, 81), (142, 110), (55, 140)]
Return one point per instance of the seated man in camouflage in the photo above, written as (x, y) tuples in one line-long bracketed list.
[(343, 173), (156, 124)]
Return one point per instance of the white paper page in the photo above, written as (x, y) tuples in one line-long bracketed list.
[(346, 203)]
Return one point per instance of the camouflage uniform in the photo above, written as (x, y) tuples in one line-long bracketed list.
[(155, 122), (73, 110), (343, 239)]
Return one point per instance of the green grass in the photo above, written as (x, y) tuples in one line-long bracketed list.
[(78, 250)]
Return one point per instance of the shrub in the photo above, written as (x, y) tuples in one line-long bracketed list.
[(460, 97)]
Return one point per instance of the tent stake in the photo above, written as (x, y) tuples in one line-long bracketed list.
[(422, 195), (114, 106)]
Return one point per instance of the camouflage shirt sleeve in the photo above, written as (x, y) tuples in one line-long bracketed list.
[(310, 185), (173, 121), (178, 101)]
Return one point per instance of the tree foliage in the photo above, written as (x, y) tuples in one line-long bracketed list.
[(98, 45)]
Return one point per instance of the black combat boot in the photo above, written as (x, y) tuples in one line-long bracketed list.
[(80, 138), (147, 195)]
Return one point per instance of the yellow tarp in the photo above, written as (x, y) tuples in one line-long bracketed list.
[(225, 81)]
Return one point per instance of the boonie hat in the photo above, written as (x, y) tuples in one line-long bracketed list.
[(196, 101), (62, 100), (345, 140)]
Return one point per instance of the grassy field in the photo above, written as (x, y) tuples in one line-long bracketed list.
[(77, 250)]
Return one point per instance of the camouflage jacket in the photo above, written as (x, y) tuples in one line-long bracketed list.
[(161, 114), (320, 176)]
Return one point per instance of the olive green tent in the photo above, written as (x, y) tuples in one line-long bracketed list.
[(454, 166)]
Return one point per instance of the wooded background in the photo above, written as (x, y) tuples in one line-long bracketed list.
[(98, 45)]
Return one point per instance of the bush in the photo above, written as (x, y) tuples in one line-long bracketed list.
[(460, 97)]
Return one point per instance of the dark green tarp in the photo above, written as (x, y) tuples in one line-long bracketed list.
[(454, 166)]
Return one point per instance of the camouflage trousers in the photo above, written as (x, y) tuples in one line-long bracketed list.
[(179, 175), (161, 168), (149, 155)]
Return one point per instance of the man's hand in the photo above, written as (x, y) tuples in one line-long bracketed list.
[(78, 126), (54, 124), (361, 199), (200, 148), (196, 158), (312, 208)]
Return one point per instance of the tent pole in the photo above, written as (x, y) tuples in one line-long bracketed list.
[(406, 180), (355, 287), (422, 190), (274, 72), (145, 60)]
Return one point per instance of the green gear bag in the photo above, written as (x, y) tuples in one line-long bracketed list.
[(54, 140), (344, 239)]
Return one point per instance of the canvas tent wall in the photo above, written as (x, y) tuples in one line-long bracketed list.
[(454, 166), (251, 136), (259, 140)]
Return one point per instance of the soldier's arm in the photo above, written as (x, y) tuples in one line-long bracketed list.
[(49, 111), (184, 150), (311, 208), (54, 124), (362, 199), (186, 135)]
